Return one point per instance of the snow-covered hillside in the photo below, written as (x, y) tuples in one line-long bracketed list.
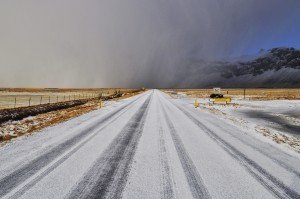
[(278, 67)]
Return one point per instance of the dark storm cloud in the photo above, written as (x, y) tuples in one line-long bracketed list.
[(110, 43)]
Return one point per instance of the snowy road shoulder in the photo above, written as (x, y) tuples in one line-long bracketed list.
[(149, 146), (276, 120)]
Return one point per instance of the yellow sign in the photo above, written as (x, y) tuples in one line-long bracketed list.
[(225, 100)]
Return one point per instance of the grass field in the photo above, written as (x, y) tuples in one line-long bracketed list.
[(250, 93), (20, 97)]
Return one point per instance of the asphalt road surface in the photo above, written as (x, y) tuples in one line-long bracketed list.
[(147, 146)]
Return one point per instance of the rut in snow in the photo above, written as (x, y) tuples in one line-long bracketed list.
[(108, 176), (261, 149), (18, 176), (272, 184), (194, 179), (166, 179)]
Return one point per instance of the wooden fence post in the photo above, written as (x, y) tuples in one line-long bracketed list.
[(56, 99), (29, 101), (41, 99), (49, 99), (15, 102)]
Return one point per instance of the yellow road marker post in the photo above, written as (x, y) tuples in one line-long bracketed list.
[(101, 104), (196, 103)]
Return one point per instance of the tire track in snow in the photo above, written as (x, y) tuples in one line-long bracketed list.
[(62, 159), (108, 176), (194, 179), (275, 186), (8, 183), (277, 161), (166, 180), (263, 151)]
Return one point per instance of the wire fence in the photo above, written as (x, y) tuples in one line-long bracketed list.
[(246, 93), (14, 101)]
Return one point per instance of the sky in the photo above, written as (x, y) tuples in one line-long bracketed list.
[(133, 43)]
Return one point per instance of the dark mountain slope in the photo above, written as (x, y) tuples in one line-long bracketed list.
[(278, 67)]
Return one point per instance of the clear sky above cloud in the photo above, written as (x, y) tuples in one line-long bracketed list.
[(132, 43)]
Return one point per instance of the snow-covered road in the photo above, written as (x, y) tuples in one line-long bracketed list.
[(147, 146)]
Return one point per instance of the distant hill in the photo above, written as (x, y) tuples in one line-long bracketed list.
[(278, 67)]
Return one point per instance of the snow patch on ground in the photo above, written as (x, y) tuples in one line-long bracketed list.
[(274, 121)]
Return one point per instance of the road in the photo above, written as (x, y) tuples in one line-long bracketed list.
[(147, 146)]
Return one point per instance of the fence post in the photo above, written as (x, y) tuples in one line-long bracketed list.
[(29, 101), (15, 102), (41, 99), (64, 98), (49, 99), (56, 99), (244, 93)]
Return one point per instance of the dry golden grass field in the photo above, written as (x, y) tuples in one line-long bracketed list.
[(250, 93), (21, 97), (36, 122)]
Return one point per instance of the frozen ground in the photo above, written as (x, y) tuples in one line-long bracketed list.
[(275, 119), (282, 115), (148, 146)]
